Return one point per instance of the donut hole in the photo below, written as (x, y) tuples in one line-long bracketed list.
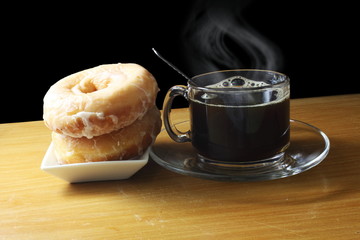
[(89, 87), (92, 86)]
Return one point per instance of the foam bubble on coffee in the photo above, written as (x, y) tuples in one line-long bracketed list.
[(238, 82), (271, 95)]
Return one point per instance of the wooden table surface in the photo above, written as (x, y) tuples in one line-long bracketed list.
[(322, 203)]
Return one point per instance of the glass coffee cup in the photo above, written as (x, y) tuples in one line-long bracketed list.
[(237, 117)]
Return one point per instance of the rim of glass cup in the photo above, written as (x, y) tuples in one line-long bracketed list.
[(192, 83)]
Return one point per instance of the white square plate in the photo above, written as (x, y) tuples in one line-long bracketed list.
[(92, 171)]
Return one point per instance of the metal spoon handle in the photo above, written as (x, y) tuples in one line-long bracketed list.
[(170, 64)]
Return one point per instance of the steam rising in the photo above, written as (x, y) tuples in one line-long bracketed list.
[(217, 36)]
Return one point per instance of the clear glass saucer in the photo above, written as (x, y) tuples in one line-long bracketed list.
[(308, 147)]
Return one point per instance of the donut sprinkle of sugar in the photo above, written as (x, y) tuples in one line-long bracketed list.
[(88, 126)]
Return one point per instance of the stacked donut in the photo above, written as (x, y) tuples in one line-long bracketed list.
[(104, 113)]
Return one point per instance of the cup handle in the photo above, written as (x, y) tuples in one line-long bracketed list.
[(174, 133)]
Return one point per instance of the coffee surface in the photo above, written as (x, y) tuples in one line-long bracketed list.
[(237, 82)]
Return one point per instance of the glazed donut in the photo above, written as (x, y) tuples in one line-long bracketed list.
[(126, 143), (99, 100)]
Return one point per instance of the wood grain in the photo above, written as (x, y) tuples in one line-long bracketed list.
[(322, 203)]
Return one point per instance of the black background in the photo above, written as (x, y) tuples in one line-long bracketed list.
[(44, 43)]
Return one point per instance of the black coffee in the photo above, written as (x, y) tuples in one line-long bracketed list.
[(238, 134)]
